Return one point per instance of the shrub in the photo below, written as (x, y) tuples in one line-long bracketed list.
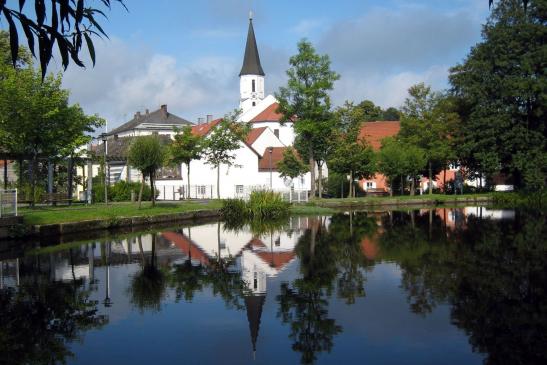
[(234, 210), (266, 204), (536, 200), (120, 191)]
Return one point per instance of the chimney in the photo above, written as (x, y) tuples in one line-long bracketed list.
[(137, 115), (200, 121), (209, 118), (147, 112), (164, 110)]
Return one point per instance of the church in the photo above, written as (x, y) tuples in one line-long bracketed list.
[(256, 161)]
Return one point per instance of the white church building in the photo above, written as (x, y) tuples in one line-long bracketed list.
[(256, 159)]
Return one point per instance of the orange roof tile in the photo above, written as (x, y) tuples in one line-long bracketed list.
[(276, 259), (254, 134), (204, 129), (374, 132), (186, 246), (269, 114), (277, 156), (369, 248)]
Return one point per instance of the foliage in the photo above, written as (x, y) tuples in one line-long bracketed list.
[(36, 119), (71, 22), (121, 191), (291, 165), (220, 146), (185, 148), (535, 200), (262, 205), (24, 57), (501, 92), (147, 155), (337, 185), (370, 111), (305, 99), (428, 122)]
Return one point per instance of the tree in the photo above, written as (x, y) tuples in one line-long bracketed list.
[(185, 148), (414, 162), (501, 92), (391, 113), (147, 155), (428, 122), (291, 165), (305, 100), (225, 138), (23, 55), (36, 120), (370, 111), (70, 23), (352, 157), (391, 161)]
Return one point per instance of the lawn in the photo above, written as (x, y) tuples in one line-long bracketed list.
[(65, 214)]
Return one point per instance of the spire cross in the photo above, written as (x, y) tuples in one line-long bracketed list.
[(250, 15)]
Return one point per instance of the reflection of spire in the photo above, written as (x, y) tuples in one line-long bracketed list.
[(253, 304)]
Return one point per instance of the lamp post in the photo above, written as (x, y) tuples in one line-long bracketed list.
[(270, 150), (104, 139)]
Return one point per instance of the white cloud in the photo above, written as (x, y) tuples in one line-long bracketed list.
[(127, 79), (305, 27)]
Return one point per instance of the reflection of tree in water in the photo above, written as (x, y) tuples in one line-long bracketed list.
[(493, 274), (41, 317), (148, 286), (304, 304)]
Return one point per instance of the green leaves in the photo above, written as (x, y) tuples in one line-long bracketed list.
[(147, 154), (292, 165), (70, 20)]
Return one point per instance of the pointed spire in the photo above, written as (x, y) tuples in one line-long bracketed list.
[(251, 60), (254, 304)]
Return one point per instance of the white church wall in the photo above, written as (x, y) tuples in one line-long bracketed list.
[(265, 140), (286, 132)]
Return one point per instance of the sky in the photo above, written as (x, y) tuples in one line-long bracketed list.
[(188, 54)]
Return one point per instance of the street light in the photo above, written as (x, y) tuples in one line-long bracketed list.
[(270, 150), (104, 139)]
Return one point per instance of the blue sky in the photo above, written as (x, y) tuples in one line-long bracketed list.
[(187, 54)]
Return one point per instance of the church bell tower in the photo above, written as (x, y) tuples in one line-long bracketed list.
[(251, 77)]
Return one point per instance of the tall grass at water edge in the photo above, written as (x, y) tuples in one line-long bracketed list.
[(261, 205)]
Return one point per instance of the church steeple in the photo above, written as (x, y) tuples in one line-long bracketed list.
[(251, 60), (251, 77)]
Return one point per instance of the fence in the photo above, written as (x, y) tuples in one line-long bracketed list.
[(295, 196), (179, 192), (8, 203)]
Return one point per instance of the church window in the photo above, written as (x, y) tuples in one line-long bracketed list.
[(253, 86), (276, 132), (254, 104)]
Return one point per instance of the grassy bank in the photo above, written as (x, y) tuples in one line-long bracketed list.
[(435, 199), (54, 215)]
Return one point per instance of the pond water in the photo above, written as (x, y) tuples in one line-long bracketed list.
[(444, 286)]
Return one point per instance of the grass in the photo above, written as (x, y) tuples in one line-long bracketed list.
[(65, 214), (301, 209)]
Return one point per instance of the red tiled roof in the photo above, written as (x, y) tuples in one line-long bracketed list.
[(277, 156), (203, 129), (276, 259), (254, 134), (186, 246), (269, 114), (257, 243), (369, 248), (374, 132)]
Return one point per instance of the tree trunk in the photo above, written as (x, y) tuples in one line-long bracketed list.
[(152, 188), (412, 183), (444, 178), (70, 174), (140, 192), (32, 173), (402, 186), (391, 187), (312, 173), (350, 192), (188, 179), (5, 174), (430, 179), (218, 182), (319, 178)]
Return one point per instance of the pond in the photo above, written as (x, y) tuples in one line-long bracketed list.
[(442, 286)]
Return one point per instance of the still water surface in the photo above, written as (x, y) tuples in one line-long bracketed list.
[(445, 286)]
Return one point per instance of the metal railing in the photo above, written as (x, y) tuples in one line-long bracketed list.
[(8, 203), (295, 196), (179, 192)]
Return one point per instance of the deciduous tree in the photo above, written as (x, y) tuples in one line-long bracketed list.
[(186, 148)]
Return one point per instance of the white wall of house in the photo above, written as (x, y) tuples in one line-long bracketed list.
[(265, 140), (286, 132)]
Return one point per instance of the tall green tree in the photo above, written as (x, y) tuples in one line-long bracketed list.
[(370, 111), (186, 148), (36, 120), (428, 122), (147, 155), (222, 142), (502, 96), (351, 157), (391, 161), (306, 101), (291, 165), (391, 113)]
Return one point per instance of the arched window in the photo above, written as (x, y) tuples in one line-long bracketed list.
[(254, 86)]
